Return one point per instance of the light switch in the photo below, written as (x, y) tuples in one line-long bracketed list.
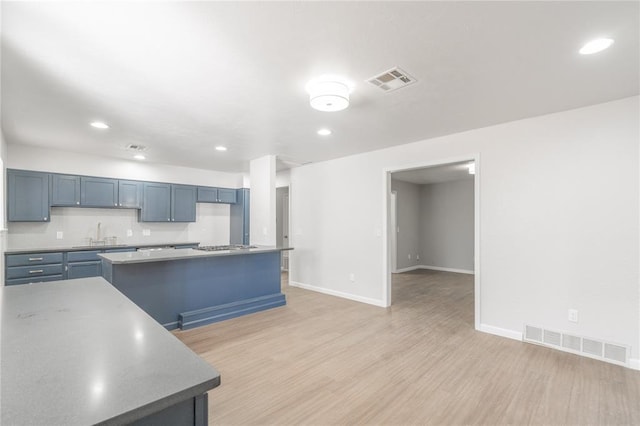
[(129, 233), (59, 235)]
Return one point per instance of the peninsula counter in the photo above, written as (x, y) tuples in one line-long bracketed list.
[(77, 352), (189, 288)]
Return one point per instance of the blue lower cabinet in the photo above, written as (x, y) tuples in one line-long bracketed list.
[(84, 269)]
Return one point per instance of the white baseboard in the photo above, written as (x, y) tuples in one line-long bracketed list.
[(438, 268), (433, 268), (341, 294), (634, 363), (502, 332), (410, 268)]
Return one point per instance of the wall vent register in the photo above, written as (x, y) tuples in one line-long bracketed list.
[(606, 351)]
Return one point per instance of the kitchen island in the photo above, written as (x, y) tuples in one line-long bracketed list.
[(77, 352), (189, 288)]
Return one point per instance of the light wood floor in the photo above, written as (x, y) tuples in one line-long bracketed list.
[(322, 360)]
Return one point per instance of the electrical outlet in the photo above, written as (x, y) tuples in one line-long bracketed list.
[(146, 232), (59, 235), (417, 257), (573, 315), (129, 233), (409, 256), (352, 277)]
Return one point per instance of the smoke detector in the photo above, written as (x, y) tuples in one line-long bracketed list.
[(392, 79)]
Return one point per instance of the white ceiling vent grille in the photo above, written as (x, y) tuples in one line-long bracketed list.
[(592, 348), (392, 79), (136, 147)]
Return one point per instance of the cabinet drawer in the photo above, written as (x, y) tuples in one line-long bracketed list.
[(81, 256), (33, 259), (33, 271), (17, 281)]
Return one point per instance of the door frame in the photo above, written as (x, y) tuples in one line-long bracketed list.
[(386, 228)]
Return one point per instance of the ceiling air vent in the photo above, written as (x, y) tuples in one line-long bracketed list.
[(391, 80), (136, 147)]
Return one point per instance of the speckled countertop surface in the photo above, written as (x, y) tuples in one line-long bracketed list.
[(167, 255), (98, 247), (80, 352)]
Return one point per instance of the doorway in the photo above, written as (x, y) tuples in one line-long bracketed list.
[(434, 242), (282, 224)]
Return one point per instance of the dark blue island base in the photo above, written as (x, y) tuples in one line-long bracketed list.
[(193, 288)]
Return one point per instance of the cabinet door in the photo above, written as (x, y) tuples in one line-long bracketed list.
[(156, 202), (98, 192), (84, 269), (65, 190), (207, 194), (129, 194), (183, 203), (226, 195), (27, 196)]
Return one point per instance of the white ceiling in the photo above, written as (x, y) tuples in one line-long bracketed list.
[(182, 77)]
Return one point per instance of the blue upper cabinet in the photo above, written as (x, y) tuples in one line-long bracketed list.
[(27, 196), (65, 190), (98, 192), (183, 203), (129, 194), (163, 202), (226, 195), (156, 202), (207, 194)]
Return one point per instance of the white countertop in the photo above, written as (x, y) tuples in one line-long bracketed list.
[(78, 352), (169, 255)]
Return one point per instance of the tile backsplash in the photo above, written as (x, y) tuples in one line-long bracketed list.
[(78, 225)]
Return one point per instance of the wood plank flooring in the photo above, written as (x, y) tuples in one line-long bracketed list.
[(322, 360)]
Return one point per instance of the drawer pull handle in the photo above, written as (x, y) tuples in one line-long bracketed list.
[(33, 259), (36, 271)]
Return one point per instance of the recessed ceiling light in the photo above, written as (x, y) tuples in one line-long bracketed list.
[(99, 125), (221, 148), (139, 157), (595, 46), (324, 132)]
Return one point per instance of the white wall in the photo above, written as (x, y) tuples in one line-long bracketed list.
[(409, 217), (55, 161), (558, 220), (263, 200), (446, 225), (78, 224)]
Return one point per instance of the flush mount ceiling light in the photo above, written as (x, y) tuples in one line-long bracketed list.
[(595, 46), (139, 157), (221, 148), (99, 125), (324, 132), (329, 93)]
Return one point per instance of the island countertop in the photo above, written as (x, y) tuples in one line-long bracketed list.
[(79, 352), (169, 255)]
